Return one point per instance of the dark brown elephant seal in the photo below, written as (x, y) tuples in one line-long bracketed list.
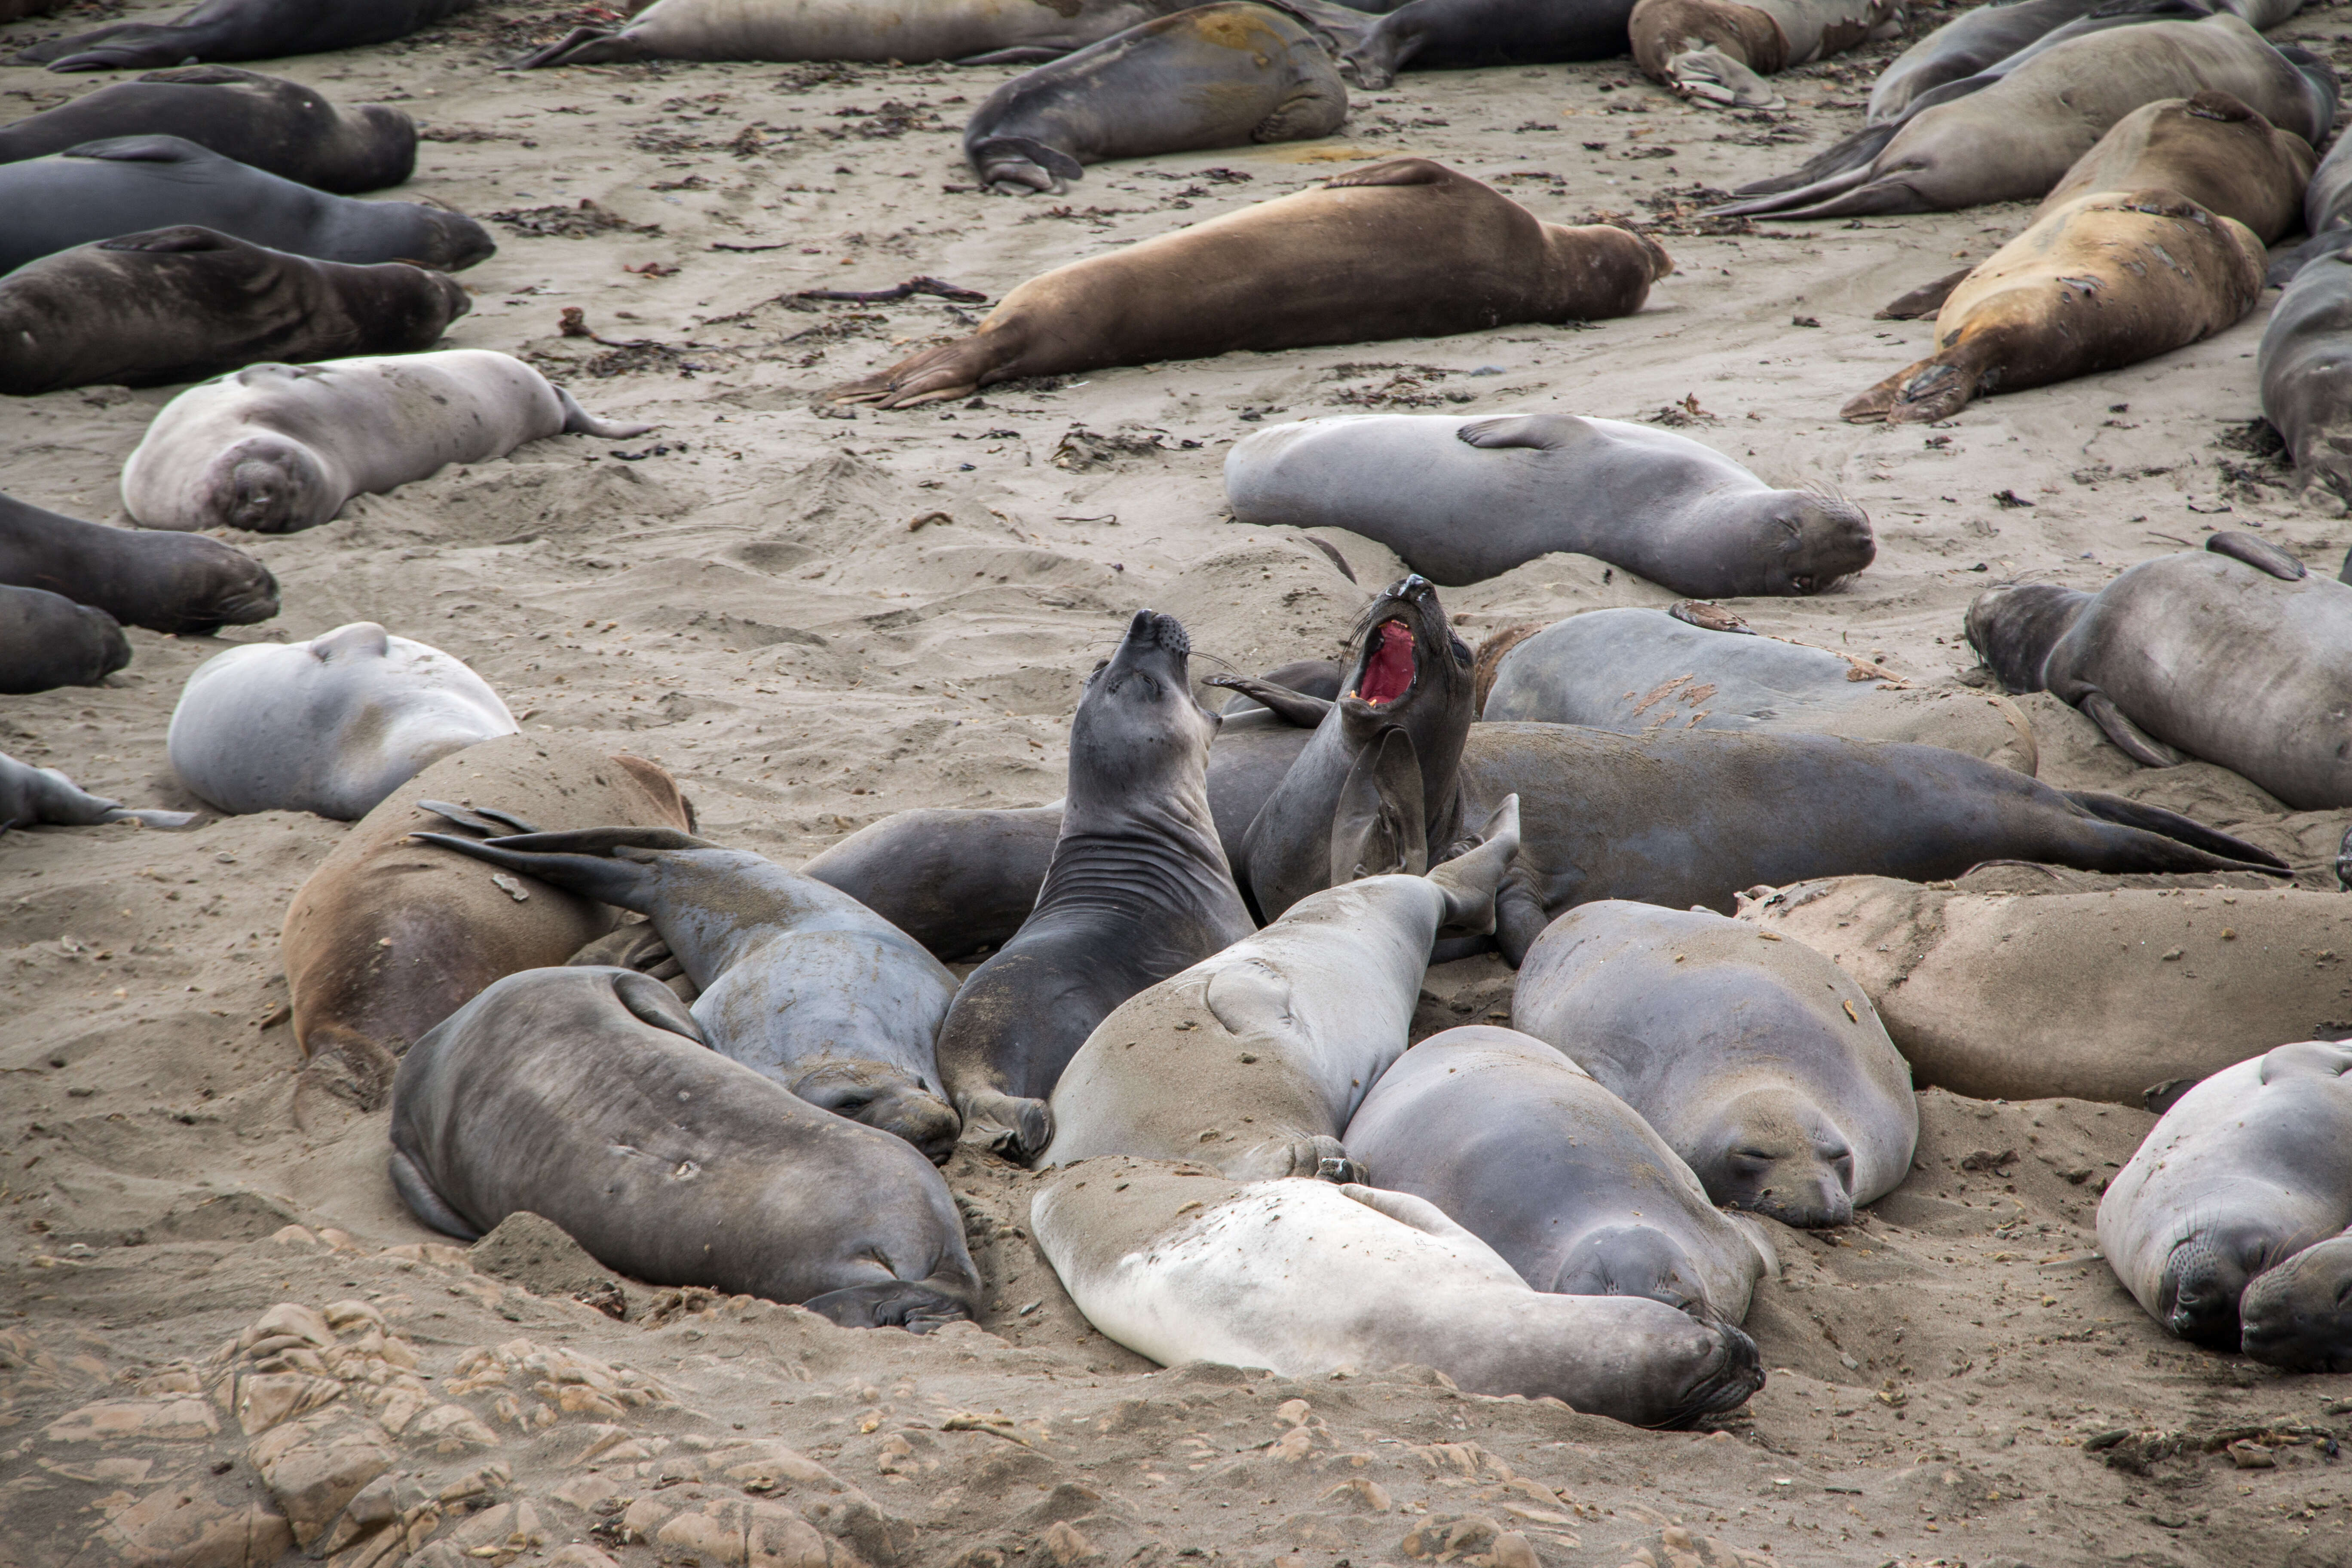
[(1722, 49), (2209, 148), (31, 797), (1412, 249), (47, 641), (241, 30), (187, 583)]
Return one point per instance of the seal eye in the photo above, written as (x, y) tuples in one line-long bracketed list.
[(1462, 654)]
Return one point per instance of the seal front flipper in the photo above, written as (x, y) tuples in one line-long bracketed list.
[(1716, 76), (2129, 738), (141, 150), (578, 419), (425, 1203), (1297, 708), (1016, 1128), (2259, 553), (1022, 162), (1542, 432), (650, 1002), (1923, 302), (1395, 172), (1421, 1215)]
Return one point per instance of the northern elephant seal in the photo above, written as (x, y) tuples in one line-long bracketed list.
[(241, 30), (2306, 391), (2209, 148), (1722, 49), (332, 725), (1977, 37), (1309, 1279), (277, 448), (46, 641), (1464, 499), (31, 797), (1454, 34), (957, 881), (970, 32), (1217, 75), (2327, 214), (1522, 1147), (588, 1095), (1413, 250), (2247, 1170), (179, 583), (180, 304)]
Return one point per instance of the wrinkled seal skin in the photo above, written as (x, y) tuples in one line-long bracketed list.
[(1181, 1265), (1721, 50), (1464, 499), (46, 641), (128, 184), (799, 982), (241, 30), (266, 122), (1519, 1146), (180, 304), (588, 1095), (2209, 148), (1757, 1059), (278, 447), (1138, 888), (332, 725), (2252, 1168), (1979, 36), (1456, 35), (1406, 249), (970, 32), (31, 797), (1217, 76), (187, 583), (2307, 376)]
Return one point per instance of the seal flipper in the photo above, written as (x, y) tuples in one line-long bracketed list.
[(649, 1001), (1922, 303), (180, 239), (578, 420), (425, 1203), (1016, 55), (908, 1304), (1395, 172), (1470, 881), (1418, 1214), (1023, 162), (580, 862), (1716, 76), (1376, 824), (586, 47), (1297, 708), (2129, 739), (151, 149), (480, 819), (1542, 432), (2155, 819), (1015, 1127), (2259, 554)]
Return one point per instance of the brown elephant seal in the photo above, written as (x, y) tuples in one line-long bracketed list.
[(970, 32), (241, 30), (1522, 1147), (590, 1097), (179, 582), (47, 641), (1415, 249), (2250, 1170), (180, 304), (2305, 394), (1217, 76), (31, 797), (2106, 281), (2209, 148), (1759, 1060), (2102, 995), (1722, 49), (1180, 1265)]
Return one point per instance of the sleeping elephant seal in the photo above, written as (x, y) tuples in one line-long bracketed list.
[(2251, 1168), (1311, 1279), (1465, 499), (1722, 49), (970, 32), (46, 641), (1757, 1059), (2209, 148), (277, 448), (2236, 653), (266, 122), (2306, 384), (31, 797), (1979, 36), (187, 583), (332, 725), (241, 30), (180, 304), (1410, 249), (590, 1097), (1218, 75), (957, 881), (1456, 35), (1519, 1146)]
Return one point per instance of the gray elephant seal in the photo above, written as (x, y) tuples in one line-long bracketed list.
[(242, 30), (1181, 1265), (277, 447), (1722, 49), (800, 982), (1755, 1058), (970, 32), (180, 304), (1465, 499), (332, 725), (1138, 888), (2305, 392), (179, 582), (47, 641), (2248, 1171), (957, 881), (2208, 147), (132, 183), (31, 797), (589, 1096), (1217, 76), (1977, 37), (1521, 1147)]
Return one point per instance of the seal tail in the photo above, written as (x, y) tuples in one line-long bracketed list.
[(587, 47), (578, 419), (1023, 162), (917, 1306), (2161, 841)]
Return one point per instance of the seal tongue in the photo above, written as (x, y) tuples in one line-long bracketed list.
[(1387, 673)]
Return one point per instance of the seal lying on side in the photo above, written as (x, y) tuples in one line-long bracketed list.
[(187, 583), (2209, 148), (1180, 1265), (47, 641), (2306, 393), (1722, 49), (1518, 1145), (1456, 35), (277, 448), (2235, 653), (180, 304), (241, 30), (970, 32), (332, 725), (1465, 499), (1977, 37), (1755, 1058), (589, 1096), (30, 796), (2253, 1167), (1412, 251), (267, 123), (1218, 75), (957, 881)]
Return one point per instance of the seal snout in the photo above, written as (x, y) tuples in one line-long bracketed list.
[(2298, 1316), (2203, 1286)]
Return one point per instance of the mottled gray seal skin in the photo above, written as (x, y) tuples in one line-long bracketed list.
[(969, 32), (1757, 1059), (2307, 381), (2250, 1169), (1969, 43), (589, 1096), (1457, 34), (1217, 75), (1523, 1149), (31, 797), (241, 30), (267, 123), (47, 641), (187, 583), (1464, 499), (1139, 888)]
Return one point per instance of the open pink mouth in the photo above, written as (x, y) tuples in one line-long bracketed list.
[(1388, 673)]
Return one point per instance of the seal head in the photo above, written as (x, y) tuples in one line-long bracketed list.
[(1776, 1154), (2013, 626), (1807, 541), (2204, 1277), (2299, 1315)]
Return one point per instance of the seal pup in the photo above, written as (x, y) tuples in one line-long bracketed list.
[(1413, 250), (1464, 499), (1518, 1145), (332, 725), (969, 32), (2306, 393), (47, 641), (1977, 37), (241, 30), (31, 797), (187, 583), (1757, 1059), (180, 304), (1254, 1059), (1456, 35), (591, 1095), (1721, 50), (1138, 888), (2247, 1170), (277, 447), (2209, 148), (1182, 1264), (1217, 75)]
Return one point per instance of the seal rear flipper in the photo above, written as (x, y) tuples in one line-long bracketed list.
[(2259, 553), (586, 47), (604, 878), (481, 819), (2334, 240), (1922, 303), (2237, 853), (1471, 880), (1297, 708), (1017, 55), (951, 370), (1378, 825), (170, 821), (908, 1304), (1850, 160), (1345, 35), (1011, 1125), (1023, 162), (578, 420), (125, 46), (2129, 739), (425, 1203)]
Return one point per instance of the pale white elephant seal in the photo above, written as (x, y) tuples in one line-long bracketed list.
[(1181, 1265), (332, 725), (970, 32), (277, 448)]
